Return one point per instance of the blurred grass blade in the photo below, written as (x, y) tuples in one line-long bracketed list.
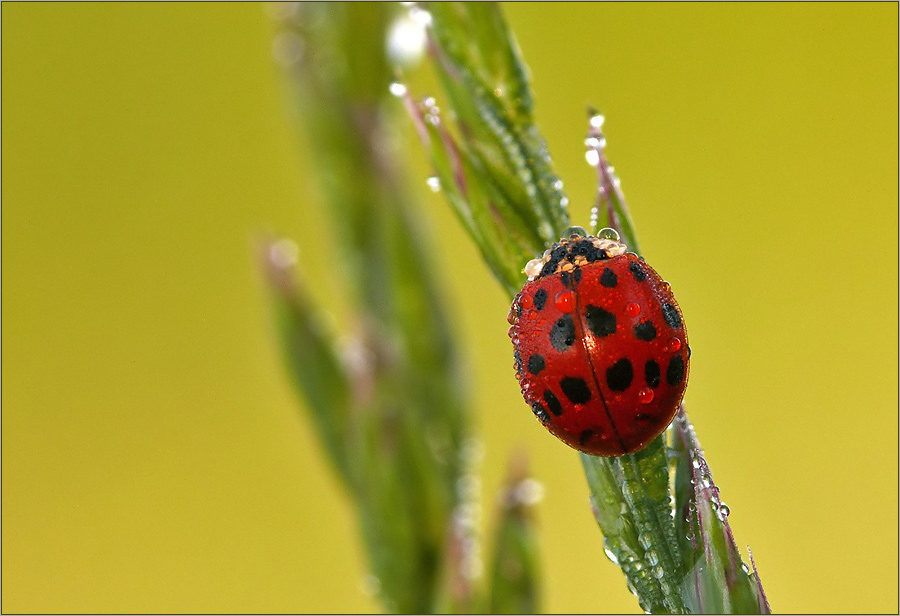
[(495, 169), (716, 581), (515, 570), (311, 353), (402, 446), (631, 503)]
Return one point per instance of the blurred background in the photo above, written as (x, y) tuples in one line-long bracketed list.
[(154, 454)]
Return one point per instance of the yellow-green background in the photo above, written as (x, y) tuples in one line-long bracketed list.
[(154, 458)]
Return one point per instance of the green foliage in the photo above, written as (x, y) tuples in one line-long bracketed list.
[(494, 168), (387, 405), (514, 577)]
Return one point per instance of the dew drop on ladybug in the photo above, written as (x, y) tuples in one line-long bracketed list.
[(601, 346)]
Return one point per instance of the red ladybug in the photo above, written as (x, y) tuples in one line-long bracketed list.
[(600, 346)]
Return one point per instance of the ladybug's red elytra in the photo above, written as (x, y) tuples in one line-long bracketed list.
[(601, 350)]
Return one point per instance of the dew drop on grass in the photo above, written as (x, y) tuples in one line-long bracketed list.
[(434, 183), (607, 549), (406, 39), (397, 89)]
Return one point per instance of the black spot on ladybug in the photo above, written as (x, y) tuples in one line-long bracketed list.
[(619, 375), (576, 276), (670, 314), (651, 373), (600, 322), (643, 417), (564, 278), (645, 331), (609, 278), (553, 403), (540, 298), (637, 271), (586, 436), (540, 412), (518, 361), (675, 371), (575, 389), (535, 364), (562, 334)]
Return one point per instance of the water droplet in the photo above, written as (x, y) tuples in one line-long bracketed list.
[(592, 158), (646, 540), (645, 396), (526, 301), (597, 121), (532, 269), (420, 16), (633, 310), (607, 549), (434, 183), (579, 231), (283, 253), (724, 511), (607, 233), (565, 301), (288, 49), (652, 558), (528, 492), (674, 345), (370, 585), (558, 185), (406, 39), (397, 89)]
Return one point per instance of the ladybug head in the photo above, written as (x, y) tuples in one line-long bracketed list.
[(575, 249)]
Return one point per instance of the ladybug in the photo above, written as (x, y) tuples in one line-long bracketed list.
[(601, 351)]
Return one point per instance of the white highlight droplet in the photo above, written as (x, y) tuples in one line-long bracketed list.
[(397, 89), (406, 40), (284, 253)]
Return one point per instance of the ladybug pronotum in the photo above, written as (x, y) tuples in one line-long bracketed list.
[(601, 351)]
